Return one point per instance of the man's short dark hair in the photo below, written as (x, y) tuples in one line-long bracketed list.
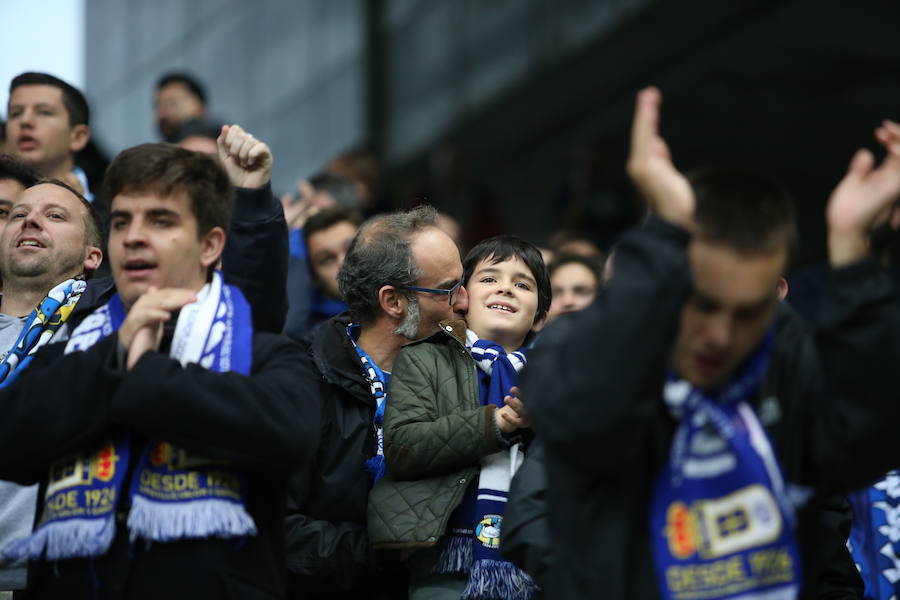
[(591, 264), (504, 247), (73, 100), (194, 87), (380, 255), (329, 217), (197, 128), (165, 170), (743, 210), (343, 191), (12, 168)]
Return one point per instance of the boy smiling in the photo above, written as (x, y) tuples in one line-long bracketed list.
[(454, 431)]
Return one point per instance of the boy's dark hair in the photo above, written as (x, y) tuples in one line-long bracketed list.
[(743, 210), (187, 80), (501, 248), (590, 264), (13, 168), (73, 100), (328, 217), (165, 170)]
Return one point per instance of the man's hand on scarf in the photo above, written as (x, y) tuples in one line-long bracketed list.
[(247, 160), (650, 167), (514, 415), (142, 330)]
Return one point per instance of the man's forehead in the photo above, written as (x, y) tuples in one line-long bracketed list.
[(36, 93), (10, 190), (436, 256), (48, 192), (729, 277), (148, 199)]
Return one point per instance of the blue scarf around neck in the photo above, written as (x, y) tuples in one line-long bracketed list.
[(472, 544), (173, 495), (721, 523)]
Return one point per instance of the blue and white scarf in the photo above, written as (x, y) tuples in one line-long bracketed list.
[(721, 523), (474, 528), (41, 325), (378, 383), (172, 495), (875, 537)]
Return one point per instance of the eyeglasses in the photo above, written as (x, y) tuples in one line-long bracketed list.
[(452, 292)]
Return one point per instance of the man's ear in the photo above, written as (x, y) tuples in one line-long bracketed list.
[(93, 256), (782, 289), (392, 301), (213, 243), (78, 138)]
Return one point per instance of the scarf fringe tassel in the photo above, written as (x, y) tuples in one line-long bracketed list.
[(72, 538), (456, 557), (164, 522), (498, 580)]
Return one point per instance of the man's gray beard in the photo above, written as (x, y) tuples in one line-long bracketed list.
[(409, 326)]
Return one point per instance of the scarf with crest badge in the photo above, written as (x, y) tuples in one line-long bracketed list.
[(472, 545), (173, 495), (721, 522)]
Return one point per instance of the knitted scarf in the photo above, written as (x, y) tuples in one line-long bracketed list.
[(473, 543), (875, 536), (720, 520), (378, 383), (41, 325), (173, 495)]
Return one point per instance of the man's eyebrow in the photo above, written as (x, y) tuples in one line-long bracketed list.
[(161, 212), (447, 284)]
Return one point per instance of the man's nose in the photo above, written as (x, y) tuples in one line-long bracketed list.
[(461, 305), (719, 331)]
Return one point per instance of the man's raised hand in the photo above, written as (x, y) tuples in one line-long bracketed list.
[(650, 167), (247, 160), (142, 330), (863, 198)]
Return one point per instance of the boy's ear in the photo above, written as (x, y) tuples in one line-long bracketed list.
[(539, 322)]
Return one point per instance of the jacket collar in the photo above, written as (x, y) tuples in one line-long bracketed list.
[(455, 328), (336, 357)]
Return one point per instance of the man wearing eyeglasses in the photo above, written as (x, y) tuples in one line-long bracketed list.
[(400, 278)]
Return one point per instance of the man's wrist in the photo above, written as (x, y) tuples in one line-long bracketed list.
[(846, 248)]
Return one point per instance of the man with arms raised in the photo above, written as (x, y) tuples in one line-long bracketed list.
[(400, 279), (165, 418), (661, 477)]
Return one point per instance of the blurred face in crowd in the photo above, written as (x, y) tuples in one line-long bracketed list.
[(200, 143), (10, 191), (175, 104), (38, 129), (438, 259), (730, 310), (503, 301), (154, 241), (574, 288), (44, 237), (327, 249)]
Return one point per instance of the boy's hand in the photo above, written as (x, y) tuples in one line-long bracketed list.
[(512, 416), (142, 330)]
